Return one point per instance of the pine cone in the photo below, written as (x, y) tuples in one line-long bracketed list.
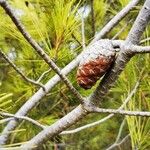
[(95, 62)]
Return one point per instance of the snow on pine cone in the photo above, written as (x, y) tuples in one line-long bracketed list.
[(95, 61)]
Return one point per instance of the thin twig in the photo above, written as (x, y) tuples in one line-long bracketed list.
[(120, 112), (24, 118), (20, 72), (83, 31), (124, 142), (118, 136), (145, 40), (38, 49), (122, 29), (120, 130), (43, 74), (5, 120), (75, 38), (105, 118), (92, 18)]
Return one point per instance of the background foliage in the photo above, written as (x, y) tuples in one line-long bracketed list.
[(56, 26)]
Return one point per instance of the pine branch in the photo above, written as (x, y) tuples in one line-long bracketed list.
[(53, 81), (20, 72)]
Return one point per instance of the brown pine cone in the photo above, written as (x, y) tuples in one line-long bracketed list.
[(95, 62)]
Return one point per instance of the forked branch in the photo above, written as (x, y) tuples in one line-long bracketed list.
[(76, 114)]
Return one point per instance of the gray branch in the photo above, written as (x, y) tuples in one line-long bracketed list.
[(120, 112), (52, 82), (138, 49), (133, 49)]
